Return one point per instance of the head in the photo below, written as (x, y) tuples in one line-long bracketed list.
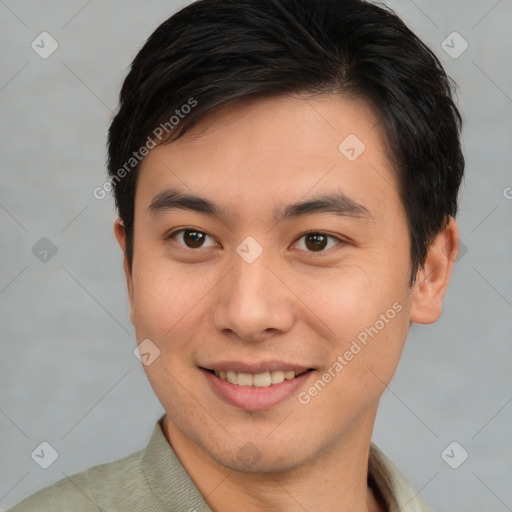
[(325, 132)]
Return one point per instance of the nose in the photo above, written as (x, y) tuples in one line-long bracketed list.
[(252, 302)]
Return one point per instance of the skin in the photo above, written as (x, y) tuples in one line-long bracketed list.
[(203, 305)]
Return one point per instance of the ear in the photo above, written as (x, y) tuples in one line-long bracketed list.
[(432, 280), (120, 234)]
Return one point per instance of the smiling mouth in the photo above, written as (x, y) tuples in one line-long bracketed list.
[(259, 380)]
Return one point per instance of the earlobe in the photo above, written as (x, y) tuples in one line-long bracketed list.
[(120, 234), (432, 280)]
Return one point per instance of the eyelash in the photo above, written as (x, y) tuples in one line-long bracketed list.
[(339, 241)]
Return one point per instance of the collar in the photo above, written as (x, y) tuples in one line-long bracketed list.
[(392, 485)]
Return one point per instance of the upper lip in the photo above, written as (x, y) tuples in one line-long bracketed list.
[(255, 368)]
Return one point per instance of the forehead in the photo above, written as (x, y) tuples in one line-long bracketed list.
[(255, 155)]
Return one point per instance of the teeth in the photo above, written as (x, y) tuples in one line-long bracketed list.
[(244, 379), (262, 380), (276, 376), (259, 380)]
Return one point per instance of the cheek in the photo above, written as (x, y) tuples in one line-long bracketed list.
[(165, 296), (359, 366), (353, 297), (366, 312), (165, 312)]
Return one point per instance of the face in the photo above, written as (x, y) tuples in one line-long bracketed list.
[(288, 259)]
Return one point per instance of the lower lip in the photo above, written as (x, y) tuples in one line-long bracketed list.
[(254, 398)]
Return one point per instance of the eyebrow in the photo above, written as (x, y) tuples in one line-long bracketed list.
[(336, 203)]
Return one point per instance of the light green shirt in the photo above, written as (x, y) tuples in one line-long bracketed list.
[(154, 480)]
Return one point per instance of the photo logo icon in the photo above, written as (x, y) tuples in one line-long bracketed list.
[(44, 250), (352, 147), (44, 45), (146, 352), (454, 455), (44, 455), (249, 454), (454, 45), (249, 250)]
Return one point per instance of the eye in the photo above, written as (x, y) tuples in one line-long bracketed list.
[(316, 241), (192, 238)]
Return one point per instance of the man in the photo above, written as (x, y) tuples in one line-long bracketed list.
[(286, 176)]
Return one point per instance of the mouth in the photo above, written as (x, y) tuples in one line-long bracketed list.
[(258, 391), (259, 380)]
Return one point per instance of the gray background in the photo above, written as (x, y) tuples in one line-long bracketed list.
[(68, 375)]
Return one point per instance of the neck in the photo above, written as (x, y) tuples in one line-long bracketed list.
[(336, 480)]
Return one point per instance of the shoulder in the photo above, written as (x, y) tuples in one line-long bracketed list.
[(88, 490)]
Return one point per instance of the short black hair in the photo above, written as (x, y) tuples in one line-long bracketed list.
[(213, 52)]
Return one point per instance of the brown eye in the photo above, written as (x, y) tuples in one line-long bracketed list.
[(192, 238), (317, 242)]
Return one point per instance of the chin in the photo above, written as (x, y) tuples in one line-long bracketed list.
[(253, 460), (250, 453)]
